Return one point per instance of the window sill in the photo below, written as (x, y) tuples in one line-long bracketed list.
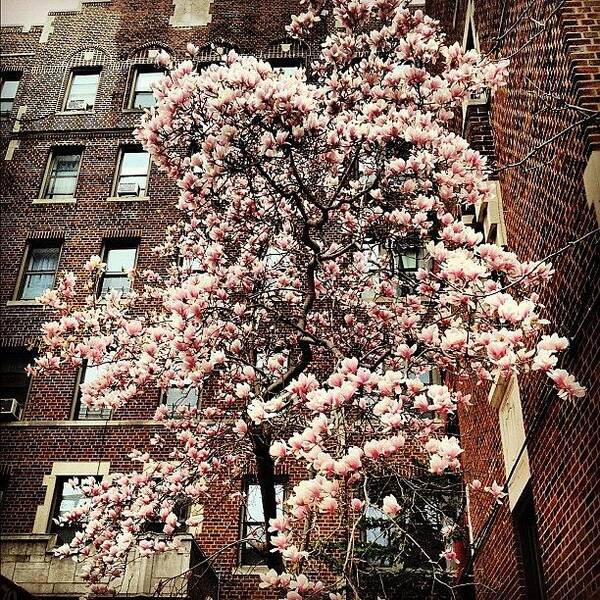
[(54, 201), (80, 423), (74, 112), (250, 570), (133, 110), (23, 303), (128, 199)]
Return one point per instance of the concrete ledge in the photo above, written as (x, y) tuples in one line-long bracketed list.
[(54, 201), (255, 570), (24, 303), (128, 199), (81, 423), (74, 112)]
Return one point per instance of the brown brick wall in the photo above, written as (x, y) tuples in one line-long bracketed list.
[(119, 33), (545, 207)]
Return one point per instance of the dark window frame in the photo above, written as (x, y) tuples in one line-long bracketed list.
[(81, 412), (5, 77), (74, 72), (123, 150), (25, 272), (525, 527), (55, 153), (136, 70), (116, 244), (28, 356), (246, 550)]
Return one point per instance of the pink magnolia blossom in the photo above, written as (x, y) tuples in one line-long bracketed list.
[(497, 491), (278, 304)]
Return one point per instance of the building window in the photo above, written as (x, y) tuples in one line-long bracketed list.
[(67, 498), (253, 522), (120, 258), (62, 173), (39, 273), (286, 66), (9, 84), (14, 382), (377, 527), (181, 510), (175, 397), (524, 520), (82, 90), (87, 374), (374, 255), (4, 480), (409, 260), (132, 173), (141, 92)]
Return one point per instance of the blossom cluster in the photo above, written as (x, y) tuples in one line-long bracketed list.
[(283, 302)]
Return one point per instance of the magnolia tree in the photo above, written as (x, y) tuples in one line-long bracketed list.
[(285, 308)]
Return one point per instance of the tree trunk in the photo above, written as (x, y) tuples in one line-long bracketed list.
[(265, 475)]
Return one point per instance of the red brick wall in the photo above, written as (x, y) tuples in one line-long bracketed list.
[(545, 207), (117, 31)]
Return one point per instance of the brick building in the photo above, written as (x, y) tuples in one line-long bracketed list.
[(75, 183), (543, 143)]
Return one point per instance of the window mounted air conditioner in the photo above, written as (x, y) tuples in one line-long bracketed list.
[(77, 105), (10, 409), (128, 188)]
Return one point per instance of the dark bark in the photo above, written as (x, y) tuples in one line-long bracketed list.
[(265, 476)]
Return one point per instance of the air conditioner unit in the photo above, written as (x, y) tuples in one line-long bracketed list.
[(77, 105), (10, 409), (128, 188)]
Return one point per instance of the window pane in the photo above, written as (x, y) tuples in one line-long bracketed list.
[(84, 87), (376, 532), (14, 381), (371, 250), (63, 175), (254, 527), (120, 283), (67, 498), (70, 499), (144, 80), (186, 396), (254, 508), (120, 260), (9, 90), (143, 100), (40, 271), (35, 285), (91, 373), (133, 172), (143, 96), (43, 259), (135, 163), (409, 259)]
